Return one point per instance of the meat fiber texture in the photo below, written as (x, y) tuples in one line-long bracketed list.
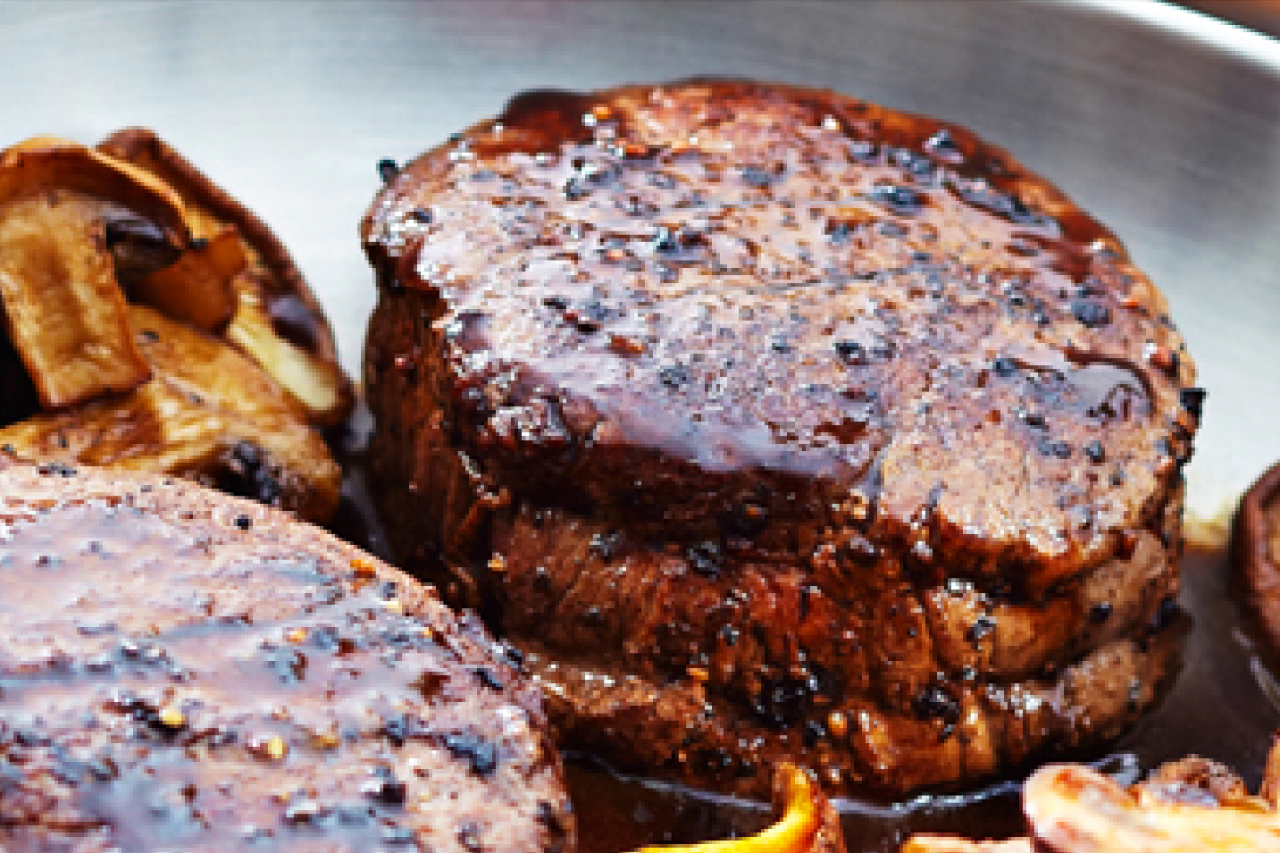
[(183, 671), (770, 423)]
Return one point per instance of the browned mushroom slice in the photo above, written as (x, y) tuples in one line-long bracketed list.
[(196, 288), (807, 822), (63, 309), (209, 414), (46, 162), (1194, 805), (1196, 780), (1072, 809), (318, 386), (1270, 790), (277, 321)]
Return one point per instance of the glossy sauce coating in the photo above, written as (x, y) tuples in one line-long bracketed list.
[(725, 287), (628, 812), (181, 671), (773, 425)]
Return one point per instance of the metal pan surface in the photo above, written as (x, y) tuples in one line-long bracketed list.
[(1161, 122)]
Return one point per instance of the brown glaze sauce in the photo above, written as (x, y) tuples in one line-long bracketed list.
[(793, 294), (876, 216), (168, 687), (1224, 704), (660, 246), (684, 300)]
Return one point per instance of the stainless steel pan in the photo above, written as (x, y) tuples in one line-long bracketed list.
[(1163, 123)]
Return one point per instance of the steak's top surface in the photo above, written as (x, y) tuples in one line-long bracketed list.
[(736, 303), (183, 671)]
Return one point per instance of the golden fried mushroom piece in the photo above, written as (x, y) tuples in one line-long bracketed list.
[(1189, 806), (89, 375), (806, 822), (312, 383), (1072, 809), (196, 289), (208, 414), (68, 216), (275, 319), (1270, 790), (50, 161)]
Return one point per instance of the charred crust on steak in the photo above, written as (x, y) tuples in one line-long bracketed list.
[(763, 340), (185, 671)]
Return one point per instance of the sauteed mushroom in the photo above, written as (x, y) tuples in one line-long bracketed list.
[(274, 319), (64, 208), (196, 288), (208, 414), (1192, 805), (90, 244), (806, 822)]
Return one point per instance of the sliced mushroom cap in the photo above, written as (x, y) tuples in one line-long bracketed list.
[(1074, 809), (196, 288), (45, 162), (138, 246), (277, 321), (116, 295), (209, 414), (145, 223), (318, 386), (806, 822), (64, 313)]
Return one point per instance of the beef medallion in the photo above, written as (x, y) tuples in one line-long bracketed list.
[(771, 424)]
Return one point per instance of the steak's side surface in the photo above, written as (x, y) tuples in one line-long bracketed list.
[(773, 423), (180, 670)]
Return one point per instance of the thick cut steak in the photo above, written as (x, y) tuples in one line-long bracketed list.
[(772, 423), (183, 671)]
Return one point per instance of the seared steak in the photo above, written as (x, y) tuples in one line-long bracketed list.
[(771, 424), (180, 670)]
